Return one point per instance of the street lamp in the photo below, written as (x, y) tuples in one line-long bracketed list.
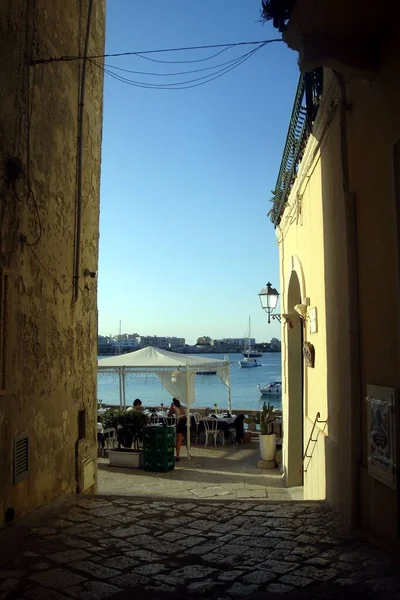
[(269, 299)]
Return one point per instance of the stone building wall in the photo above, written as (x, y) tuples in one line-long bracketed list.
[(49, 338)]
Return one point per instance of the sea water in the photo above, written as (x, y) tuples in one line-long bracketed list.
[(209, 390)]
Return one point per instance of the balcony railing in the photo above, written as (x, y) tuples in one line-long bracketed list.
[(305, 108)]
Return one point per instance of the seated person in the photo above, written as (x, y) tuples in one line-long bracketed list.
[(138, 404)]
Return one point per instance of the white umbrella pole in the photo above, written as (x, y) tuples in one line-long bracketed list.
[(188, 413), (120, 387), (229, 399), (124, 387)]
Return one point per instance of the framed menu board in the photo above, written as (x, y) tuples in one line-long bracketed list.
[(381, 403)]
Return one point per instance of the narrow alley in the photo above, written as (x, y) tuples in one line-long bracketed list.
[(110, 546)]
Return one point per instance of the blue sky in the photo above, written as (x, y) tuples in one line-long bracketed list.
[(185, 242)]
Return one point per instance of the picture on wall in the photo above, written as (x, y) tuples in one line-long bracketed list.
[(381, 434)]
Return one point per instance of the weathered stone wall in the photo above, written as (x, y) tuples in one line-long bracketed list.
[(51, 341)]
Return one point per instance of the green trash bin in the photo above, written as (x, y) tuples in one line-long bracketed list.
[(159, 449)]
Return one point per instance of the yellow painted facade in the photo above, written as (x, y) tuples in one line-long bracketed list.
[(339, 239)]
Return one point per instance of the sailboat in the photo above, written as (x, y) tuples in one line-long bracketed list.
[(248, 351), (249, 354)]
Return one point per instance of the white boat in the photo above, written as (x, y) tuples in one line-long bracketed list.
[(273, 388), (248, 363)]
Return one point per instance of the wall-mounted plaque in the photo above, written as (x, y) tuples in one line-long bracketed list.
[(309, 354), (381, 434), (312, 315)]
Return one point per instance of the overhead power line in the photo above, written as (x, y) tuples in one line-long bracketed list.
[(187, 84), (159, 51)]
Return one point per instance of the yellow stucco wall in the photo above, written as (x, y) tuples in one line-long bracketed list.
[(51, 343), (316, 229), (309, 237)]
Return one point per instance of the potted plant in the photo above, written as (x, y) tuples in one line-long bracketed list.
[(267, 437), (129, 425)]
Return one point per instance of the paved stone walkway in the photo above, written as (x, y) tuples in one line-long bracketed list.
[(119, 547), (227, 472)]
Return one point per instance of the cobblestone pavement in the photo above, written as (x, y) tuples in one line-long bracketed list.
[(119, 547), (226, 472)]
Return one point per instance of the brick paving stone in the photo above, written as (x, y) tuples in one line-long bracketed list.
[(279, 588), (130, 580), (259, 577), (127, 531), (230, 575), (143, 555), (324, 574), (162, 588), (120, 562), (116, 544), (305, 551), (57, 578), (194, 572), (318, 561), (295, 580), (203, 587), (93, 590), (41, 566), (44, 530), (150, 569), (8, 585), (93, 569), (41, 593), (204, 548), (76, 542), (280, 568), (285, 545), (241, 590), (68, 556), (11, 574)]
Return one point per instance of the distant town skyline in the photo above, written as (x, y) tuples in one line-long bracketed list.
[(188, 340)]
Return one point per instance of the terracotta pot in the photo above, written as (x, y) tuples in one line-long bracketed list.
[(268, 446)]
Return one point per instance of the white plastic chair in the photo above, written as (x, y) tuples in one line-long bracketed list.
[(211, 430), (110, 439), (197, 418)]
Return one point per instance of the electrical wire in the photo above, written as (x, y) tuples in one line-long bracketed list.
[(108, 66), (141, 52), (177, 62), (237, 61), (180, 85)]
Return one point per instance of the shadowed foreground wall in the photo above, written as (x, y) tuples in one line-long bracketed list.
[(49, 342)]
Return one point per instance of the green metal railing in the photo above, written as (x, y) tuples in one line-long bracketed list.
[(305, 109)]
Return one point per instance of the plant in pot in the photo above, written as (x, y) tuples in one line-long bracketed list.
[(267, 437), (129, 425)]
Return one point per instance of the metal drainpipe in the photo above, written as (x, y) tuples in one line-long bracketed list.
[(353, 296), (79, 158)]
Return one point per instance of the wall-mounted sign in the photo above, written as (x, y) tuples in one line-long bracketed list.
[(309, 354), (381, 434), (312, 315)]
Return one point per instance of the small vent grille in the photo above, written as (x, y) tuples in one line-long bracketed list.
[(21, 458)]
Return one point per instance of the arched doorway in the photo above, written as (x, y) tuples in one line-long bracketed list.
[(295, 407)]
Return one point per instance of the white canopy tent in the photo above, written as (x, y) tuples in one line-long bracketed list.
[(176, 372)]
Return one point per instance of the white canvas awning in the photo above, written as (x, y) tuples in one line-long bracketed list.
[(176, 372)]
